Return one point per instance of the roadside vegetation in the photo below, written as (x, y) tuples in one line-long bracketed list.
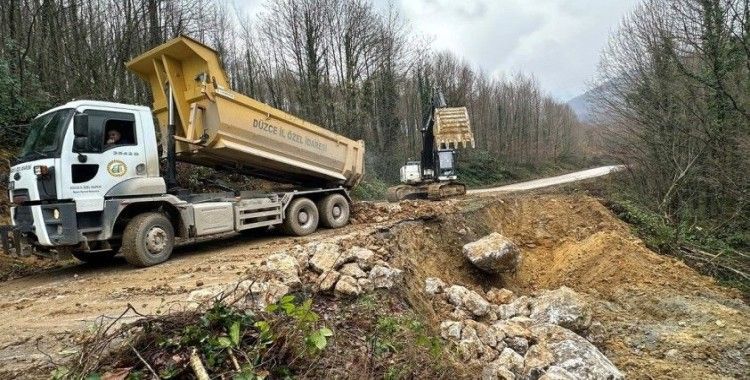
[(375, 335), (673, 104)]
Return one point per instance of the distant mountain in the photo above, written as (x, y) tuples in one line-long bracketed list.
[(582, 105)]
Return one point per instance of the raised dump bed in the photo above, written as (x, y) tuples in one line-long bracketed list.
[(218, 127)]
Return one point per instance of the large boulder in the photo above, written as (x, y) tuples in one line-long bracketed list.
[(493, 253), (575, 354), (467, 299), (562, 307)]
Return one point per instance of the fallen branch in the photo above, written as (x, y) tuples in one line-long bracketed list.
[(197, 365)]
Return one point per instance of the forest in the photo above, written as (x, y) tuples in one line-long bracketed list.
[(342, 64), (672, 95), (673, 99)]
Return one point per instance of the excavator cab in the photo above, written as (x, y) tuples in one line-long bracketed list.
[(446, 165)]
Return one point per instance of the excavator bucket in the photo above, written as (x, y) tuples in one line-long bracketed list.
[(453, 128)]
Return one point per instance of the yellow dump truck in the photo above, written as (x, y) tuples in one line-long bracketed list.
[(88, 180)]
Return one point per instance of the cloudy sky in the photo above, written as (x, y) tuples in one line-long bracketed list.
[(558, 41)]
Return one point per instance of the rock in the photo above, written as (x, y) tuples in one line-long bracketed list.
[(353, 270), (486, 334), (365, 284), (385, 277), (258, 295), (461, 297), (517, 344), (459, 314), (451, 330), (562, 307), (471, 348), (575, 354), (511, 329), (205, 294), (499, 296), (324, 257), (519, 307), (433, 285), (327, 280), (347, 286), (537, 359), (364, 257), (493, 371), (301, 255), (285, 267), (493, 253), (557, 373), (510, 360)]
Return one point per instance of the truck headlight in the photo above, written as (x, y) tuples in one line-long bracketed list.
[(56, 213)]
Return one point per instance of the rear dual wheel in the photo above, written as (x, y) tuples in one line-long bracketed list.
[(303, 215), (334, 211)]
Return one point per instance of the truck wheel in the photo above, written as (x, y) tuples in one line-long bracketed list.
[(148, 240), (334, 211), (301, 217)]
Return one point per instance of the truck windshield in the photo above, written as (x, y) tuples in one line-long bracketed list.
[(45, 134)]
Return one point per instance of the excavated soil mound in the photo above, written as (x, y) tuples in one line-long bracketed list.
[(657, 318)]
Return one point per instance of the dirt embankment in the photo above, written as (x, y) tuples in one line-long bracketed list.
[(657, 318)]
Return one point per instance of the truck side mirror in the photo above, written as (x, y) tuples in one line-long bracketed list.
[(85, 140), (81, 125)]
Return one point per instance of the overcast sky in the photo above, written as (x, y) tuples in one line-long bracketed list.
[(558, 41)]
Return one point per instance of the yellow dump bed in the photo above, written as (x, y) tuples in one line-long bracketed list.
[(218, 127)]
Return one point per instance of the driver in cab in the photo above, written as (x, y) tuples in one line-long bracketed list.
[(114, 138)]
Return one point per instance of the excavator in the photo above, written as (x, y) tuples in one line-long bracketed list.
[(434, 176)]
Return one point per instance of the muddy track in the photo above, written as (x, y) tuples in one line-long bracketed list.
[(45, 313)]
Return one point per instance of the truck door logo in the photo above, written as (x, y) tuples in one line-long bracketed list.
[(117, 168)]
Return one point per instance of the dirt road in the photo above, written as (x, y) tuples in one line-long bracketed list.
[(550, 181), (44, 314)]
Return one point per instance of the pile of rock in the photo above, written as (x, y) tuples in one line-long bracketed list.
[(522, 337), (325, 265)]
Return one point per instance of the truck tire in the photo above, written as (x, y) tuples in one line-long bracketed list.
[(334, 211), (148, 240), (301, 217)]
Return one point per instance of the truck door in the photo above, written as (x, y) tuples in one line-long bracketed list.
[(122, 157)]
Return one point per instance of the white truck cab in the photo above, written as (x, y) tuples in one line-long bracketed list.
[(66, 169)]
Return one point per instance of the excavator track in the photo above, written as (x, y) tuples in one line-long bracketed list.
[(432, 191), (442, 190)]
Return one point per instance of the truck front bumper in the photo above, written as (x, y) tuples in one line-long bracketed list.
[(50, 225)]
